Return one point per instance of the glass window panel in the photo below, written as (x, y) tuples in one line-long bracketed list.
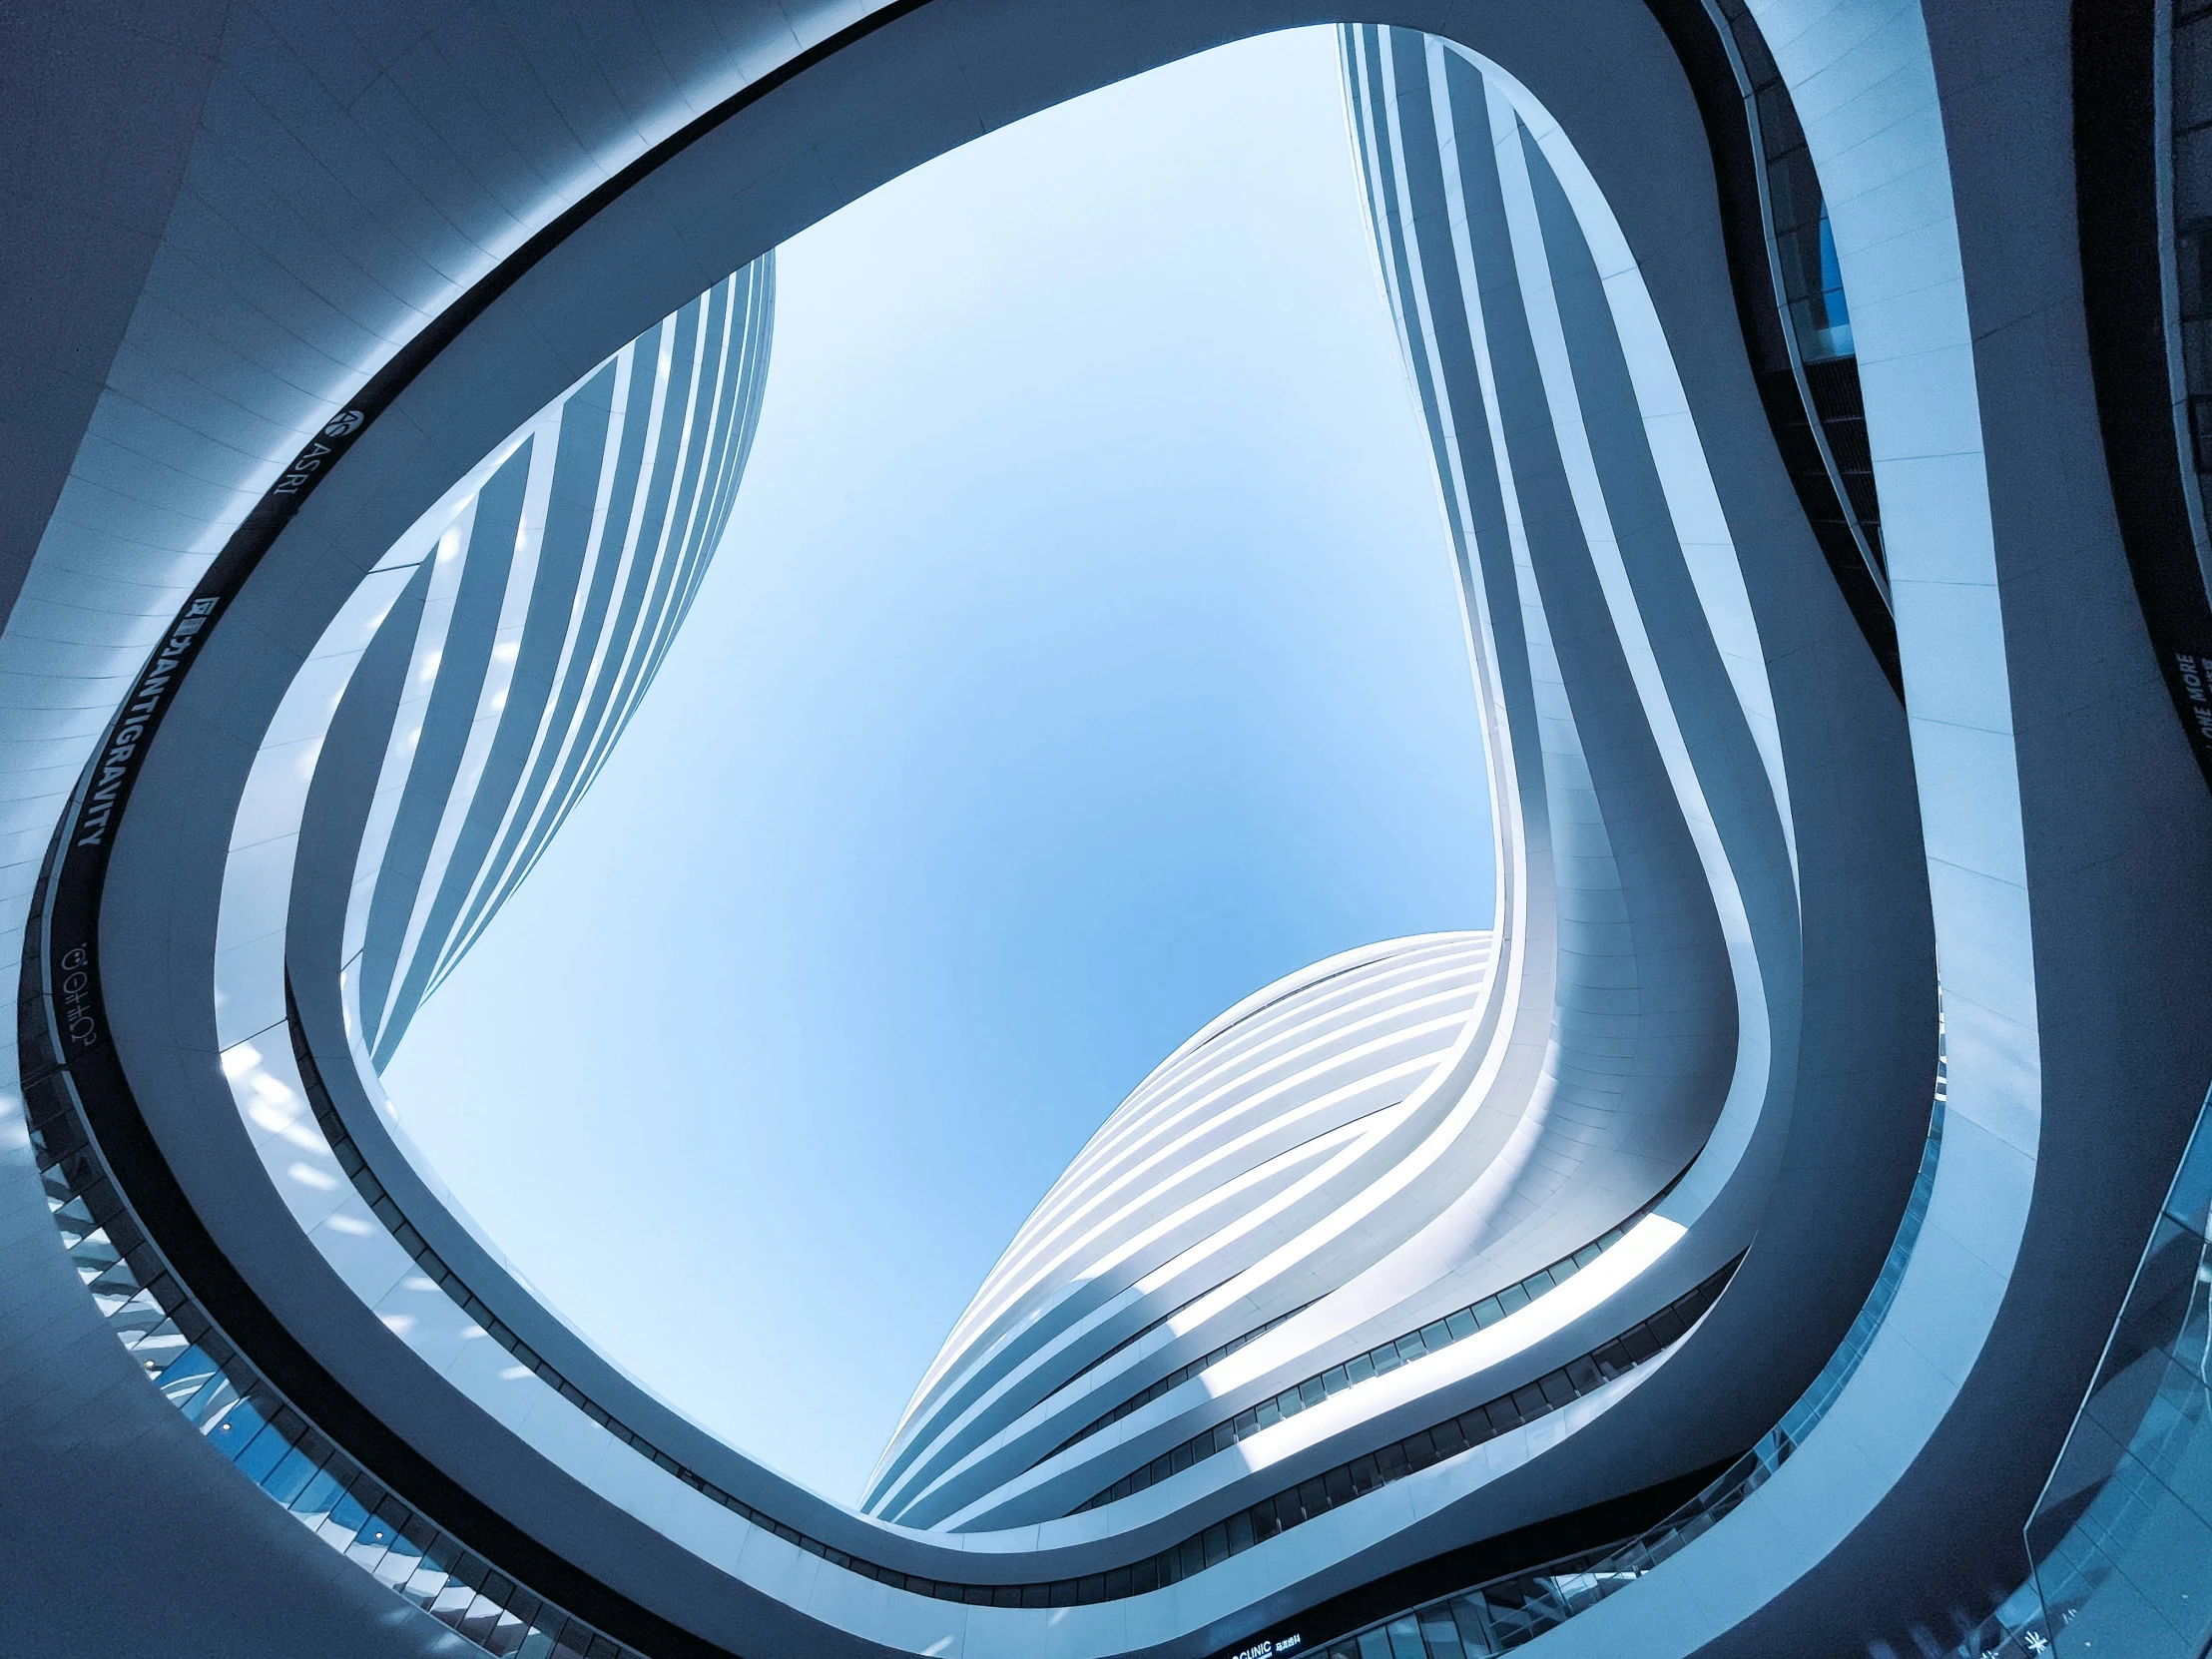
[(260, 1456), (1440, 1635), (206, 1404), (194, 1362), (156, 1349), (323, 1489), (485, 1624), (400, 1564), (289, 1477), (573, 1642), (372, 1540), (454, 1601), (348, 1512), (1471, 1614), (232, 1431)]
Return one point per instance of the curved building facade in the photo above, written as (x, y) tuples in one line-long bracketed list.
[(1774, 1235)]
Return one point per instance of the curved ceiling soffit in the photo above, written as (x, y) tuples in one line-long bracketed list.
[(322, 463), (432, 403), (1552, 134), (1945, 572), (435, 389)]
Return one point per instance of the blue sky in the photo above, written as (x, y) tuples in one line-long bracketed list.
[(1084, 653)]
